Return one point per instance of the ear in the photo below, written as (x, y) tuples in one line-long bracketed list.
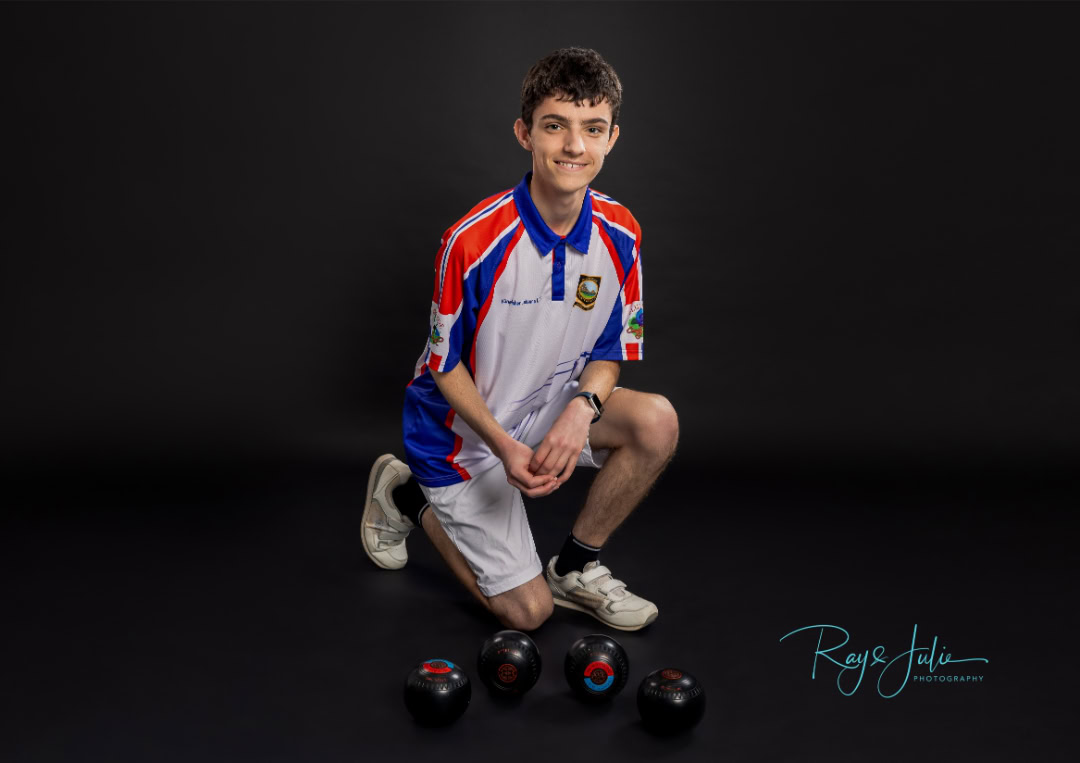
[(611, 140), (521, 132)]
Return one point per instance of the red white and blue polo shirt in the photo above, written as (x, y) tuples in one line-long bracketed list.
[(525, 309)]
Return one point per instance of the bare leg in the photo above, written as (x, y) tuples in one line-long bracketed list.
[(523, 608), (642, 430)]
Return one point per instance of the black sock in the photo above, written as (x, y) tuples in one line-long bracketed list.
[(575, 555), (410, 500)]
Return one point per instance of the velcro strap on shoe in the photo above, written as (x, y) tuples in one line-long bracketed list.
[(589, 598), (596, 572), (611, 586), (401, 526)]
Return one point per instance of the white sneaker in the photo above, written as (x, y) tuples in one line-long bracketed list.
[(599, 594), (385, 528)]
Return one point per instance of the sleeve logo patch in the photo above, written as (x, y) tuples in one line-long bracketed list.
[(587, 289), (636, 324), (436, 324)]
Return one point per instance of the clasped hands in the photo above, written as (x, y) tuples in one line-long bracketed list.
[(541, 472)]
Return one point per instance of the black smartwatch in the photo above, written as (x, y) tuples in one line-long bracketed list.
[(594, 401)]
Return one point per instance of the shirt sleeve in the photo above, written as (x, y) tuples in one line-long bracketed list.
[(446, 330), (624, 337)]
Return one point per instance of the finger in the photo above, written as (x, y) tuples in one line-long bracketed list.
[(529, 480), (539, 456), (570, 457), (532, 491), (540, 492), (552, 463), (537, 487)]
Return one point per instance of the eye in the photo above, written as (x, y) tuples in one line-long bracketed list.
[(556, 125)]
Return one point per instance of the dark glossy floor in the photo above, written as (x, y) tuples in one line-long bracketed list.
[(230, 614)]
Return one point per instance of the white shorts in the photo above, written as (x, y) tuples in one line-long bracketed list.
[(485, 516)]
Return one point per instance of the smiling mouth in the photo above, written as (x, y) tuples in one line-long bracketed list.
[(570, 166)]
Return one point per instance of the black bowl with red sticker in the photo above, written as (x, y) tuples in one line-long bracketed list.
[(437, 692), (670, 700), (509, 663)]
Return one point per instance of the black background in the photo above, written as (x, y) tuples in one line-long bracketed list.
[(859, 243)]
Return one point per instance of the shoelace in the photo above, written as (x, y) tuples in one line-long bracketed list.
[(609, 587)]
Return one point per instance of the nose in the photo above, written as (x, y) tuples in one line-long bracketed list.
[(574, 144)]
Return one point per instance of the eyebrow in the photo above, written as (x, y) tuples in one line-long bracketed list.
[(593, 121)]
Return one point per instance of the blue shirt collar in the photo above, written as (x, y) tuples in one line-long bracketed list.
[(542, 236)]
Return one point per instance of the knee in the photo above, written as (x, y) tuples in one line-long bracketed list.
[(657, 426), (528, 615)]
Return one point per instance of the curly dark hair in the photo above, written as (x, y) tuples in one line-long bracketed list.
[(572, 74)]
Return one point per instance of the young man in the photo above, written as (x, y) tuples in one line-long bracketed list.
[(537, 300)]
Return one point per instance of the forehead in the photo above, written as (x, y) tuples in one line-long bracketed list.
[(572, 112)]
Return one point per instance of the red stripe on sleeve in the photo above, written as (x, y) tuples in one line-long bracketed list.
[(514, 238), (452, 281)]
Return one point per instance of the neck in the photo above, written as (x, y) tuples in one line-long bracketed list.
[(559, 210)]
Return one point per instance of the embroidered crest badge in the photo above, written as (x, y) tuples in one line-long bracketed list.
[(587, 289)]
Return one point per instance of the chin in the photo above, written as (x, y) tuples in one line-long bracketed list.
[(569, 182)]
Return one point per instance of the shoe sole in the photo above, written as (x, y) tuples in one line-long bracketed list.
[(579, 608), (369, 502)]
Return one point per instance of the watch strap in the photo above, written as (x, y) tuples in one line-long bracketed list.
[(594, 401)]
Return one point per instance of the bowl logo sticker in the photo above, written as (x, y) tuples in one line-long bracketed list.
[(507, 673), (599, 676), (587, 289), (439, 666)]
